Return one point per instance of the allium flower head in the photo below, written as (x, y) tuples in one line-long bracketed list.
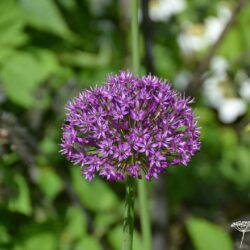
[(131, 126)]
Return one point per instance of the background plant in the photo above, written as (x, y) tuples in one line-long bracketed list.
[(52, 49)]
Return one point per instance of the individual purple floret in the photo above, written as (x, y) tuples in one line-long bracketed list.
[(131, 126)]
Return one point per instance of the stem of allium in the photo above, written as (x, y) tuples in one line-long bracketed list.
[(128, 224), (144, 214), (142, 185)]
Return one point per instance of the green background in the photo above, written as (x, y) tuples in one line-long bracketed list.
[(49, 51)]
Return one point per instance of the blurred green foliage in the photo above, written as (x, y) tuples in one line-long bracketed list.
[(50, 50), (202, 232)]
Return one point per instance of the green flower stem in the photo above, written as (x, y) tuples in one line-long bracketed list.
[(128, 224), (142, 185), (144, 214)]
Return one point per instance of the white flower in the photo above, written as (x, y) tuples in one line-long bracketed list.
[(242, 226), (244, 90), (214, 86), (196, 37), (224, 12), (220, 94), (192, 39), (215, 25), (213, 90), (213, 28), (162, 10), (231, 109), (243, 82), (219, 65)]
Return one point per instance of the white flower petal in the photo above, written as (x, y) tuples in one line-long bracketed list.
[(245, 89), (219, 65), (231, 109), (191, 42), (212, 91), (162, 10)]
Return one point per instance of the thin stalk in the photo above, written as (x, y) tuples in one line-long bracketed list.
[(242, 239), (144, 215), (142, 185), (128, 224), (135, 37)]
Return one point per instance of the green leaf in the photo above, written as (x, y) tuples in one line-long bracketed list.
[(92, 77), (4, 235), (164, 62), (21, 202), (48, 62), (67, 4), (206, 116), (235, 165), (85, 59), (96, 195), (228, 138), (88, 242), (44, 15), (232, 44), (237, 41), (115, 238), (210, 139), (103, 221), (8, 11), (12, 35), (244, 20), (11, 24), (40, 241), (49, 182), (26, 72), (208, 236), (49, 145), (15, 73), (6, 53), (75, 228)]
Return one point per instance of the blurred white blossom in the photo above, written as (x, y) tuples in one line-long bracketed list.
[(213, 90), (192, 38), (241, 76), (242, 226), (219, 65), (244, 90), (198, 36), (215, 25), (214, 86), (243, 81), (220, 93), (231, 108), (162, 10)]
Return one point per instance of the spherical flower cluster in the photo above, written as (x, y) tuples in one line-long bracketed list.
[(131, 126)]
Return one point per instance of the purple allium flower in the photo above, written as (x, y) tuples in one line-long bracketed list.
[(131, 126)]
